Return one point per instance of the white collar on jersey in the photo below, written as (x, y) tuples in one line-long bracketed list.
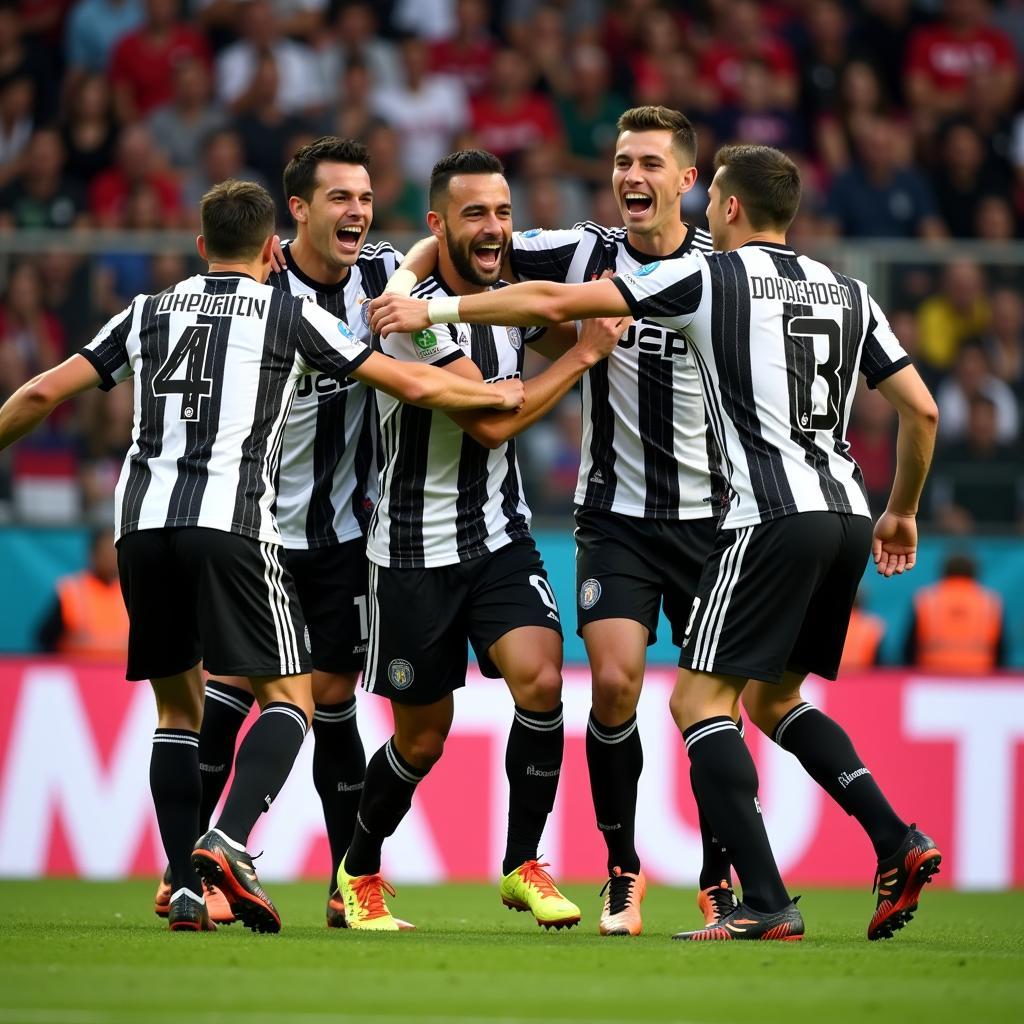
[(785, 250)]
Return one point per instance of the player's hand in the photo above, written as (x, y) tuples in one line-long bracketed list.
[(513, 394), (599, 336), (894, 544), (277, 260), (391, 313)]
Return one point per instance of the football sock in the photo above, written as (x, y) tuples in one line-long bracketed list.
[(224, 712), (174, 781), (339, 765), (615, 759), (264, 760), (828, 756), (533, 762), (725, 786), (387, 797), (715, 865)]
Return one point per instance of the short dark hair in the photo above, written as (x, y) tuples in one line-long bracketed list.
[(662, 119), (462, 161), (764, 180), (237, 217), (960, 565), (300, 174)]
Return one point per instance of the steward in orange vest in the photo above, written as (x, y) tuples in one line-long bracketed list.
[(958, 623), (863, 638), (88, 618)]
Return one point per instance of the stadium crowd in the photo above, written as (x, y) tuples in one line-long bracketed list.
[(905, 118)]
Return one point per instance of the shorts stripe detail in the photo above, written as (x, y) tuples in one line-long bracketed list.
[(787, 718), (288, 624), (400, 770), (549, 725), (286, 709), (613, 738), (708, 730), (232, 702), (275, 611), (714, 613), (185, 741), (737, 569), (373, 626)]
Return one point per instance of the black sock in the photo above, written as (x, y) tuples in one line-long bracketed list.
[(387, 797), (224, 712), (533, 762), (339, 765), (715, 866), (615, 759), (264, 760), (828, 756), (725, 785), (174, 781)]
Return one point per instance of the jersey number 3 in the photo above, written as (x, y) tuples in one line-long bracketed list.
[(823, 413), (193, 386)]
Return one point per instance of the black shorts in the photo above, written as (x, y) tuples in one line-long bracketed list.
[(197, 594), (420, 620), (777, 597), (332, 583), (626, 567)]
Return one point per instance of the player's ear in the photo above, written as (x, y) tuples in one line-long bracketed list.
[(201, 248), (267, 252), (687, 179), (436, 225), (298, 208)]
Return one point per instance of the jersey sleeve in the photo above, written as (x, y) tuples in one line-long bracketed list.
[(668, 291), (546, 255), (108, 350), (436, 346), (882, 354), (326, 344)]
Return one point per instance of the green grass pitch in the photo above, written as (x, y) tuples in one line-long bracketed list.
[(93, 953)]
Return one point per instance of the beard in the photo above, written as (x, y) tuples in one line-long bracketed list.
[(462, 259)]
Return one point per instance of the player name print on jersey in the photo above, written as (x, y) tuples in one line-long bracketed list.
[(647, 449)]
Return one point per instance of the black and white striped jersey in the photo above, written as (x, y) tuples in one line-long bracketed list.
[(778, 340), (216, 361), (328, 480), (444, 498), (647, 450)]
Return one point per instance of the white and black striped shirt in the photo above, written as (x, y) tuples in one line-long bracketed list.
[(216, 361), (778, 339), (328, 480), (444, 497), (647, 450)]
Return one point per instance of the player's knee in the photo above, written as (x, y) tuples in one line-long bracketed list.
[(615, 691), (333, 687), (763, 709), (423, 750), (541, 688), (182, 711)]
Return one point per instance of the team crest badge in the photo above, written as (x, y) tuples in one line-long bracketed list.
[(590, 594), (400, 674), (532, 233), (345, 331), (515, 338), (425, 342), (364, 310)]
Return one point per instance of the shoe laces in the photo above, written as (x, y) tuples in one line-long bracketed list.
[(369, 892), (533, 873), (722, 899), (620, 890)]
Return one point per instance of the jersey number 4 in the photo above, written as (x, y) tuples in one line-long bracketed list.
[(825, 401), (192, 386)]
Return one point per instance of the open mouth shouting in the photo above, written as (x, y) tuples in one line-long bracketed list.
[(637, 203), (350, 237), (488, 255)]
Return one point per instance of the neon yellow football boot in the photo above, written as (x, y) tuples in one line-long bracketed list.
[(530, 887), (363, 896)]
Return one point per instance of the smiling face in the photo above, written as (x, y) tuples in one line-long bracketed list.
[(475, 225), (648, 180), (337, 218)]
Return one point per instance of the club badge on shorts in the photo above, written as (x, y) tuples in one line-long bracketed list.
[(400, 674), (590, 594)]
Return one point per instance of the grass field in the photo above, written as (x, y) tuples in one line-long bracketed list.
[(74, 953)]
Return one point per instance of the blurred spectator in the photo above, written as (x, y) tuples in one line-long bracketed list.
[(16, 123), (942, 57), (66, 283), (964, 176), (302, 19), (511, 117), (546, 46), (740, 35), (31, 338), (43, 196), (300, 86), (863, 639), (182, 124), (559, 196), (429, 19), (353, 117), (142, 63), (861, 98), (93, 29), (878, 197), (223, 157), (1004, 340), (995, 221), (872, 436), (883, 32), (972, 377), (427, 111), (822, 60), (660, 38), (755, 117), (21, 58), (959, 311), (958, 624), (139, 162), (87, 618), (976, 482), (88, 129), (354, 40), (106, 423), (468, 52), (398, 203)]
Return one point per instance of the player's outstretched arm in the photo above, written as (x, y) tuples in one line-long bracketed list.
[(36, 399), (596, 340), (894, 546), (435, 388)]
